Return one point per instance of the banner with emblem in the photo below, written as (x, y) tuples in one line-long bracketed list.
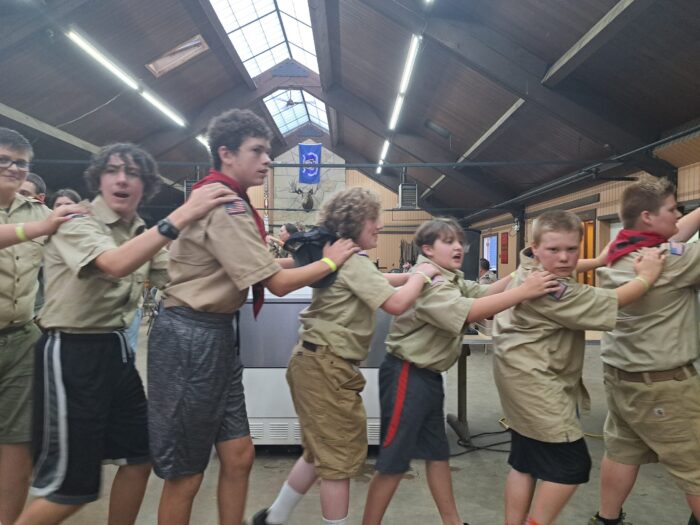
[(309, 154)]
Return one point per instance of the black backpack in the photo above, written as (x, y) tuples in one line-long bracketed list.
[(307, 247)]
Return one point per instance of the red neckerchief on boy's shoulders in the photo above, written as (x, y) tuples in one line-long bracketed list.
[(628, 241), (217, 176)]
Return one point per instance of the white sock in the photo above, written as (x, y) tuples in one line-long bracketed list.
[(342, 521), (282, 507)]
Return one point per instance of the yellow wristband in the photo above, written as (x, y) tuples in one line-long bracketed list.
[(643, 281), (512, 275), (428, 280), (330, 263), (20, 233)]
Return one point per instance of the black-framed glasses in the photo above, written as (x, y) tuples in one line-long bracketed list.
[(6, 162)]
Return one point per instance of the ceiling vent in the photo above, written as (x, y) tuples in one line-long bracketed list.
[(177, 56), (408, 195)]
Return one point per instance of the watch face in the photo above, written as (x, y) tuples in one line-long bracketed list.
[(167, 230)]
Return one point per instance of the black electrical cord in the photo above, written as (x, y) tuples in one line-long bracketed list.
[(471, 447)]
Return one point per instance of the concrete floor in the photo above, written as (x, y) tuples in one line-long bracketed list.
[(478, 477)]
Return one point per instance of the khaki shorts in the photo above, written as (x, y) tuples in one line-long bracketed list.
[(656, 422), (326, 393), (16, 379)]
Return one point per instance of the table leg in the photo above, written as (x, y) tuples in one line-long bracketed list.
[(459, 422)]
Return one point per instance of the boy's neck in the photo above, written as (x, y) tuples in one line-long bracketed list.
[(6, 199)]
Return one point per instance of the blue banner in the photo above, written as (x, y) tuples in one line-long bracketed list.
[(309, 154)]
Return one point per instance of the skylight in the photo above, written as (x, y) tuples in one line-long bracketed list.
[(293, 108), (266, 32)]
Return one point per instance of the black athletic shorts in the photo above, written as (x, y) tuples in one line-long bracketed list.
[(566, 463), (89, 408), (412, 415)]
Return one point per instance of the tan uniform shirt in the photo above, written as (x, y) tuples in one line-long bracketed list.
[(216, 259), (429, 334), (19, 264), (343, 315), (488, 278), (659, 331), (79, 297), (538, 355)]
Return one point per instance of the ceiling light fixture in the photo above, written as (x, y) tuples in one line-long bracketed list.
[(124, 76), (396, 113), (385, 150), (102, 59), (378, 171), (410, 62), (203, 141)]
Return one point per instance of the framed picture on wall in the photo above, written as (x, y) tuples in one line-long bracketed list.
[(504, 248)]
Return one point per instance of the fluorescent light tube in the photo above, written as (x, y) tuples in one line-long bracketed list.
[(163, 108), (410, 62), (379, 168), (385, 149), (397, 111), (203, 140), (102, 59)]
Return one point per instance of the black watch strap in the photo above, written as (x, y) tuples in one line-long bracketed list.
[(166, 229)]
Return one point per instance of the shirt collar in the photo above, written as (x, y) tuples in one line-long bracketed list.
[(20, 200), (111, 218), (448, 274)]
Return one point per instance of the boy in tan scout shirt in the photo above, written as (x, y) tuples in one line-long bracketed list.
[(652, 387), (422, 343), (196, 397), (538, 361), (323, 374), (21, 220), (89, 404)]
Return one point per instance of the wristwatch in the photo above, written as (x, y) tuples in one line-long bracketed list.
[(166, 229)]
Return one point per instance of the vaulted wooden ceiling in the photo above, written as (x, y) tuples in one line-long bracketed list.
[(506, 80)]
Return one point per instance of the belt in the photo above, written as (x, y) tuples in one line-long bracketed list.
[(13, 328), (310, 346), (680, 373), (313, 347)]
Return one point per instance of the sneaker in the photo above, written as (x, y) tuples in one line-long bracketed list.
[(692, 520), (260, 517), (595, 521)]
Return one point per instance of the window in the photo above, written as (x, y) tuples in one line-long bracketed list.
[(490, 250)]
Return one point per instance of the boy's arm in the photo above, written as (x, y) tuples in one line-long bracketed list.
[(403, 298), (648, 267), (499, 286), (121, 261), (11, 234), (687, 226), (536, 285), (288, 280), (397, 279), (586, 265)]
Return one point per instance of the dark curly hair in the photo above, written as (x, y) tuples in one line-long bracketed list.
[(345, 212), (148, 169), (231, 128), (14, 141)]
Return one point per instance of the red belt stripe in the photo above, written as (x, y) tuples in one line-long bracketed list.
[(398, 405)]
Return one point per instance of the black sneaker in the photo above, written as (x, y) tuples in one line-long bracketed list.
[(260, 517), (692, 520), (595, 521)]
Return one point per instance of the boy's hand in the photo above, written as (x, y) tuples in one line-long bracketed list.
[(63, 214), (428, 269), (340, 251), (201, 202), (538, 284), (649, 264)]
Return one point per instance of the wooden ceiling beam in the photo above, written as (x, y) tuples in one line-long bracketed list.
[(506, 70), (418, 147), (37, 19), (209, 26), (239, 97), (624, 12), (325, 24)]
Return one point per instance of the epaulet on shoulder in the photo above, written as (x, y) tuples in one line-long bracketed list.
[(437, 280), (236, 207)]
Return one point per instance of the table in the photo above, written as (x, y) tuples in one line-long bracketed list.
[(459, 422)]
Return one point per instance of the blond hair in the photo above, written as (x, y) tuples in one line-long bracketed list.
[(647, 194), (345, 212), (556, 221)]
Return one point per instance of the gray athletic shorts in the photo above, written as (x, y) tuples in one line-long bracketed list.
[(195, 389)]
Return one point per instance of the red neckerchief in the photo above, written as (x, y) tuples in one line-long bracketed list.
[(628, 241), (217, 176)]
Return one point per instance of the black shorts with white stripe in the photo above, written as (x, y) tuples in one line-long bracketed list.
[(89, 408)]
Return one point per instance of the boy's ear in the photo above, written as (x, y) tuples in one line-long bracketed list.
[(645, 218), (427, 250)]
